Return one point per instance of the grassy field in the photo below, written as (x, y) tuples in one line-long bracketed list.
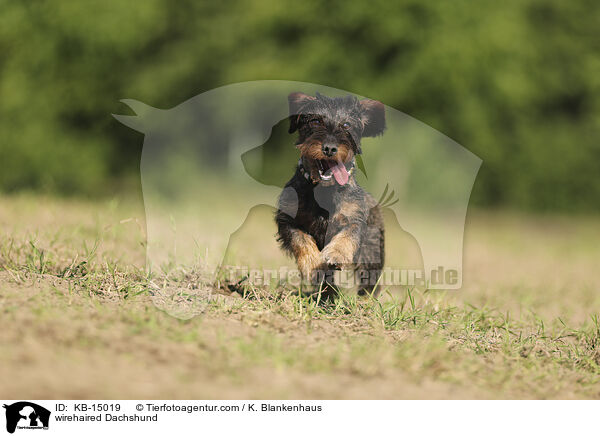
[(82, 319)]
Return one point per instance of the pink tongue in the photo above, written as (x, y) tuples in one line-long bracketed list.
[(340, 173)]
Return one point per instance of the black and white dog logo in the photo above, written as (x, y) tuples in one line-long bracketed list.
[(26, 415)]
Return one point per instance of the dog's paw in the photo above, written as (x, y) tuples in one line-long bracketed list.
[(308, 261), (337, 256)]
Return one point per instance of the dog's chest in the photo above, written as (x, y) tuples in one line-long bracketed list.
[(315, 218)]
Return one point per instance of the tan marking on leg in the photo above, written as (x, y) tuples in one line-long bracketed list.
[(340, 250), (306, 252)]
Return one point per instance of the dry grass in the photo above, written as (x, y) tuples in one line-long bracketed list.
[(82, 319)]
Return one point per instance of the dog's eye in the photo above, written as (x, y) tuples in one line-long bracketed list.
[(315, 122), (346, 125)]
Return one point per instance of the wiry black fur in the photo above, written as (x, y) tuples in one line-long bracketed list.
[(343, 222)]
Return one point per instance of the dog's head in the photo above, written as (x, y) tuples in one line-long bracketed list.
[(330, 130)]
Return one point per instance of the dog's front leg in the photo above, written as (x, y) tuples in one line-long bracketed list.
[(301, 245), (341, 250), (344, 235), (306, 252)]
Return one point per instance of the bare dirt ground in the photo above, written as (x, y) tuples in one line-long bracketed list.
[(81, 318)]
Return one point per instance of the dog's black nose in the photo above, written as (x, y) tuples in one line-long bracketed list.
[(329, 149)]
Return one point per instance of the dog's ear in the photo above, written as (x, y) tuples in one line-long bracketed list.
[(373, 117), (296, 101)]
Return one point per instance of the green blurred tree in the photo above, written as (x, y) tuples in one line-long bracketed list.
[(515, 82)]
